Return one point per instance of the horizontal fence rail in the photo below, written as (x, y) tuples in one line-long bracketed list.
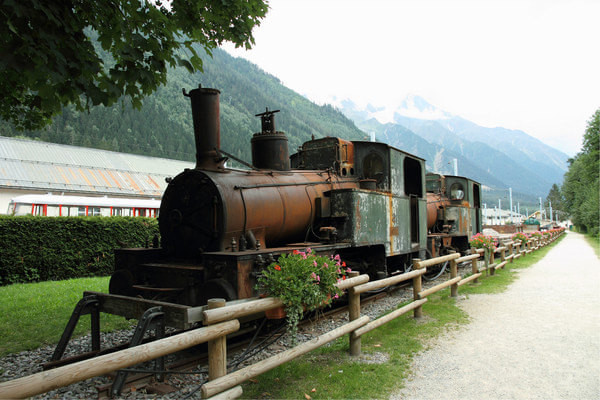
[(62, 376), (222, 319)]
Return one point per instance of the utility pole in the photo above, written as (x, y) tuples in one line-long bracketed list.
[(511, 206), (485, 216), (499, 211)]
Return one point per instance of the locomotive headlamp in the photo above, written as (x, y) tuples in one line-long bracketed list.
[(457, 192)]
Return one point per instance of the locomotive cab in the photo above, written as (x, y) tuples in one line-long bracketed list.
[(453, 212)]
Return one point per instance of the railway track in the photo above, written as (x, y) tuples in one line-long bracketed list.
[(185, 372), (269, 343)]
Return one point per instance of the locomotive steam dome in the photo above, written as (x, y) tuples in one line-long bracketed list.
[(269, 147)]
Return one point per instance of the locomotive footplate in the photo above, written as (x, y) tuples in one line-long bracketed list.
[(235, 271), (176, 315)]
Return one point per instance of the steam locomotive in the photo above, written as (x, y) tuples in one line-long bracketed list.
[(368, 202)]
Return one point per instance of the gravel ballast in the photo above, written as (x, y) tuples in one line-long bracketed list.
[(26, 363), (550, 311), (540, 339)]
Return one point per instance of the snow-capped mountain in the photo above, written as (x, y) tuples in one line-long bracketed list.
[(497, 157)]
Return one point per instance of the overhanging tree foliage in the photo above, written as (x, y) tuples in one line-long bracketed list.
[(48, 61), (582, 181)]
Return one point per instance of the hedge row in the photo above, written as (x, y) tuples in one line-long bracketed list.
[(53, 248)]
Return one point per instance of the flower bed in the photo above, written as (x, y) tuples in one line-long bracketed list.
[(302, 281)]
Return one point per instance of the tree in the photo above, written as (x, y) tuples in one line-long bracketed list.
[(555, 198), (581, 187), (53, 52)]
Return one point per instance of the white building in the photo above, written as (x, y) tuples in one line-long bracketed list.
[(495, 216), (34, 167)]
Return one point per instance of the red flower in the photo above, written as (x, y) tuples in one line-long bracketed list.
[(277, 267), (343, 263), (295, 251)]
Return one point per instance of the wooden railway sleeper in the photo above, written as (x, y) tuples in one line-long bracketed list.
[(153, 318), (87, 305)]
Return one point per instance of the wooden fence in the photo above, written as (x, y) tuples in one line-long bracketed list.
[(220, 319)]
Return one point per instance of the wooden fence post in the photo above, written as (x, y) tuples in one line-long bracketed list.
[(354, 314), (453, 274), (491, 263), (510, 250), (217, 348), (417, 287), (475, 268)]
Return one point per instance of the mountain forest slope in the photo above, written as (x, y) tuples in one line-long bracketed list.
[(164, 128), (497, 157)]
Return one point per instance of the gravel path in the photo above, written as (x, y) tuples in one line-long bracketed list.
[(538, 340)]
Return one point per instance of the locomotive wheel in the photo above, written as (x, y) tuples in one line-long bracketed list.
[(121, 283), (216, 289)]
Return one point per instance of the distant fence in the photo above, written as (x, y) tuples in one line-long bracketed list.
[(221, 319)]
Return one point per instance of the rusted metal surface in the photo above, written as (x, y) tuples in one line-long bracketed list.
[(207, 126), (435, 202), (328, 153), (270, 147), (453, 212), (206, 210)]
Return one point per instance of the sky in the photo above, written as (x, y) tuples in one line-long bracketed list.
[(532, 65)]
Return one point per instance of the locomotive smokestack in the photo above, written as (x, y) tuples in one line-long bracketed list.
[(207, 127)]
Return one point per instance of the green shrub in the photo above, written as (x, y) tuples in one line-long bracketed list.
[(53, 248)]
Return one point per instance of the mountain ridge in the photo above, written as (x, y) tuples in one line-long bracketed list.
[(163, 127), (527, 164)]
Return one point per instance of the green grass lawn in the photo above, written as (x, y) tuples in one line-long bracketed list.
[(594, 241), (329, 372), (32, 315), (35, 314)]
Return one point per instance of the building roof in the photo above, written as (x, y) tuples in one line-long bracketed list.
[(35, 165)]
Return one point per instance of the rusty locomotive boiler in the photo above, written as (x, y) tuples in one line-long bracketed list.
[(221, 226), (453, 213)]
